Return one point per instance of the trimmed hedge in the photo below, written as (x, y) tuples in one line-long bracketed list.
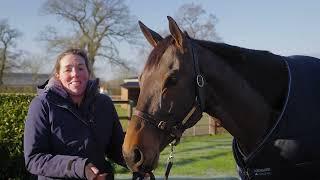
[(13, 112), (17, 89)]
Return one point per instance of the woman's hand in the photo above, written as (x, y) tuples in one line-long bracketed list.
[(92, 173), (103, 176)]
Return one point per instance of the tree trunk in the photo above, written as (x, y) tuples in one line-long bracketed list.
[(91, 62), (2, 63)]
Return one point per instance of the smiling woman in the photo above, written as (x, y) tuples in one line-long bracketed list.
[(73, 72), (70, 126)]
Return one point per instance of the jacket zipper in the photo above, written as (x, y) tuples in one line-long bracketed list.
[(75, 114)]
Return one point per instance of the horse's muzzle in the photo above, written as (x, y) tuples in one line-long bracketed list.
[(134, 159)]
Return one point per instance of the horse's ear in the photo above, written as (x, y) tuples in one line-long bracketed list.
[(150, 35), (175, 31), (186, 33)]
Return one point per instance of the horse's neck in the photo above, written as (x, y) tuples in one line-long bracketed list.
[(242, 110)]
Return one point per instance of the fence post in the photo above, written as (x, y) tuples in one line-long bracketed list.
[(130, 110), (194, 130), (213, 123), (209, 123), (128, 107)]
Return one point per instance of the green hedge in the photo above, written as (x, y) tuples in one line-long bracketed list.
[(13, 112), (17, 89)]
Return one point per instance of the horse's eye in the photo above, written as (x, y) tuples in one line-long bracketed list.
[(172, 80)]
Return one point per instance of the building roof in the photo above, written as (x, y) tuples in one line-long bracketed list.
[(132, 82), (130, 85), (132, 79), (22, 79)]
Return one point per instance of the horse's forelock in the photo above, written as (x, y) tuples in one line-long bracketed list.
[(157, 52)]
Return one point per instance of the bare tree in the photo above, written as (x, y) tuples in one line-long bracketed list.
[(97, 26), (34, 64), (193, 19), (8, 36), (197, 22)]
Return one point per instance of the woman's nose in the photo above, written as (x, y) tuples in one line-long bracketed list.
[(75, 72)]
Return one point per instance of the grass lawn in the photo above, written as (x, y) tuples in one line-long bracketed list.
[(121, 113), (206, 156)]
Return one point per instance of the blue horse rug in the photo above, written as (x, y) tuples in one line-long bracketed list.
[(291, 149)]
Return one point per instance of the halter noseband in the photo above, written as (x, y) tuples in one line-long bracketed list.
[(191, 117), (175, 130)]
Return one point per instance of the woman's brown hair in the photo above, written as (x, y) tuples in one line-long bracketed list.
[(74, 51)]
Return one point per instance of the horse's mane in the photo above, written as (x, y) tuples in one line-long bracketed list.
[(234, 53), (241, 58), (256, 66)]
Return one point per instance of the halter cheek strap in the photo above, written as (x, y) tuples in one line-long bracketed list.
[(200, 80)]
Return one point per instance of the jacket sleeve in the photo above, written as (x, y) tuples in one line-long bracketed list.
[(114, 150), (39, 158)]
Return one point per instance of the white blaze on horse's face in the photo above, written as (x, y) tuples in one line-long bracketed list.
[(163, 96)]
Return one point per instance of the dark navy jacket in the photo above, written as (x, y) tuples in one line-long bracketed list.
[(291, 150), (60, 138)]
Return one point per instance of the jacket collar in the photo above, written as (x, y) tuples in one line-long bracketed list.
[(56, 93)]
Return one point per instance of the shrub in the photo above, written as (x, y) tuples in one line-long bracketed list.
[(17, 89), (13, 112)]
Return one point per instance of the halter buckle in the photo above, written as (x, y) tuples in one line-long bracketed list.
[(200, 80), (162, 125)]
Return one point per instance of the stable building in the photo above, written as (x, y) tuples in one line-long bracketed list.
[(130, 90)]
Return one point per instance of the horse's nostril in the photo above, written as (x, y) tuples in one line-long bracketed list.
[(138, 157)]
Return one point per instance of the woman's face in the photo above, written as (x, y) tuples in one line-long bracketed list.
[(73, 75)]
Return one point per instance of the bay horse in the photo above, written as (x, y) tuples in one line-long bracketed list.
[(268, 103)]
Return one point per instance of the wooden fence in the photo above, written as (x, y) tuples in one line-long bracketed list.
[(128, 106), (206, 125)]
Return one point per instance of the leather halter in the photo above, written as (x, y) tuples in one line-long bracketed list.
[(192, 116)]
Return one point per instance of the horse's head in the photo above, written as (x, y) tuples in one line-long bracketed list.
[(167, 103)]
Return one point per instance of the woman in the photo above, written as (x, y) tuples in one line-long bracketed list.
[(70, 126)]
